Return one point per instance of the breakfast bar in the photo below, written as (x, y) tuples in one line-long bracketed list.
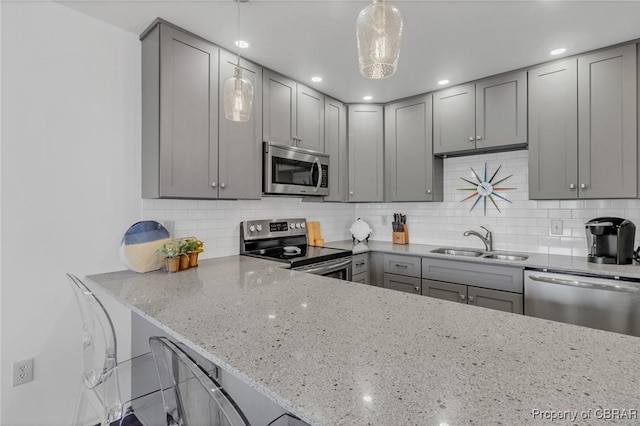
[(340, 353)]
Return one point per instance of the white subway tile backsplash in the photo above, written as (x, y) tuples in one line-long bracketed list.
[(522, 225)]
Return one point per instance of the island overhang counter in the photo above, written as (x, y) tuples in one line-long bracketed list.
[(339, 353)]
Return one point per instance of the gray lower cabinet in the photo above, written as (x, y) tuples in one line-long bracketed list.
[(335, 143), (582, 126), (376, 268), (293, 114), (486, 298), (412, 173), (179, 114), (360, 268), (402, 283), (490, 286), (366, 149), (487, 115), (240, 142)]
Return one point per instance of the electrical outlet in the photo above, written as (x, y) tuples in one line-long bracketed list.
[(23, 372), (556, 227), (384, 219)]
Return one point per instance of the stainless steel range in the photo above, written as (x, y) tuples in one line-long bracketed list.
[(285, 240)]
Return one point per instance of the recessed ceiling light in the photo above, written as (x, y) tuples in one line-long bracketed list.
[(316, 79), (367, 98), (443, 82), (242, 44), (558, 51)]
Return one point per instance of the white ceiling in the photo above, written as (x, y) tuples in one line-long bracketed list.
[(456, 40)]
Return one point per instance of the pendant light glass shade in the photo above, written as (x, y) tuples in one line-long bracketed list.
[(379, 33), (237, 90), (238, 97)]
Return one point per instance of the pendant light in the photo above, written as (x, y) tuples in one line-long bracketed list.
[(379, 32), (238, 91)]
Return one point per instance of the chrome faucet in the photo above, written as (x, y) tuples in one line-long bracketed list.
[(487, 239)]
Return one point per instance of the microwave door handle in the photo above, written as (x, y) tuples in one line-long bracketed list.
[(316, 162)]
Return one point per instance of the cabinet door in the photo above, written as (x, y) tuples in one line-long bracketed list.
[(188, 115), (279, 108), (335, 137), (310, 119), (362, 278), (607, 123), (553, 131), (409, 167), (402, 283), (365, 153), (454, 116), (501, 111), (445, 291), (376, 269), (494, 299), (240, 142), (360, 263)]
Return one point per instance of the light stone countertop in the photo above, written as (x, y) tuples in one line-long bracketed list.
[(341, 353), (539, 261)]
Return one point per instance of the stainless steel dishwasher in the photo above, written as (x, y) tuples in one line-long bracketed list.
[(606, 304)]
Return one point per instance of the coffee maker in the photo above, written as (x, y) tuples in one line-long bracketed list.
[(610, 240)]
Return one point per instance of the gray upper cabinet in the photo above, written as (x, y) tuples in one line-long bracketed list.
[(335, 137), (366, 166), (179, 115), (489, 114), (240, 142), (412, 173), (553, 131), (501, 111), (582, 127), (607, 123), (293, 114), (454, 126)]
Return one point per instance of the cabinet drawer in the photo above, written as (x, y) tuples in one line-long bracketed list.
[(402, 265), (494, 299), (402, 283), (360, 263), (445, 291), (362, 278), (496, 277)]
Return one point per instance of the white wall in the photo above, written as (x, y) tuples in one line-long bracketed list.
[(70, 187)]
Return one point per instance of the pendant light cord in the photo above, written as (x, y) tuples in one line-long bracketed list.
[(238, 38)]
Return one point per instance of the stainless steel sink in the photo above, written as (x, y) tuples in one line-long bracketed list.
[(503, 256), (457, 252), (477, 253)]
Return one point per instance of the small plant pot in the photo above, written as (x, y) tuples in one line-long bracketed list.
[(193, 259), (172, 264), (184, 262)]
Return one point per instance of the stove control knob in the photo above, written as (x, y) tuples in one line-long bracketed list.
[(303, 225), (252, 228), (259, 228), (291, 225), (298, 225)]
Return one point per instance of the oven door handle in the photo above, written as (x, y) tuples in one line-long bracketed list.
[(326, 269), (316, 163)]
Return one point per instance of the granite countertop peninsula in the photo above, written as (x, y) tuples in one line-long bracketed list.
[(341, 353), (568, 264)]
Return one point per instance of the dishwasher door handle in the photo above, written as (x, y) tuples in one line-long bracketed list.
[(583, 284)]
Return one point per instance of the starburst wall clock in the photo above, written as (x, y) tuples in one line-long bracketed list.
[(484, 189)]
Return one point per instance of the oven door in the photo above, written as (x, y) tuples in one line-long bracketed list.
[(338, 268), (294, 171)]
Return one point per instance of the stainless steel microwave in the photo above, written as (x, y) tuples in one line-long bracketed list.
[(294, 171)]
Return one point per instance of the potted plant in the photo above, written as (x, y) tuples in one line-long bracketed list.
[(171, 252), (195, 248), (183, 252)]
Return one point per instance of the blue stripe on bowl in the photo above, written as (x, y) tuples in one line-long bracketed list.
[(144, 232)]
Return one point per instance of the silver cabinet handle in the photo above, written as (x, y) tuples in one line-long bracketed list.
[(360, 263), (417, 289), (572, 186), (471, 139), (583, 186), (462, 297), (214, 184), (471, 299), (478, 138), (583, 284), (350, 192), (428, 191), (401, 266), (223, 185)]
